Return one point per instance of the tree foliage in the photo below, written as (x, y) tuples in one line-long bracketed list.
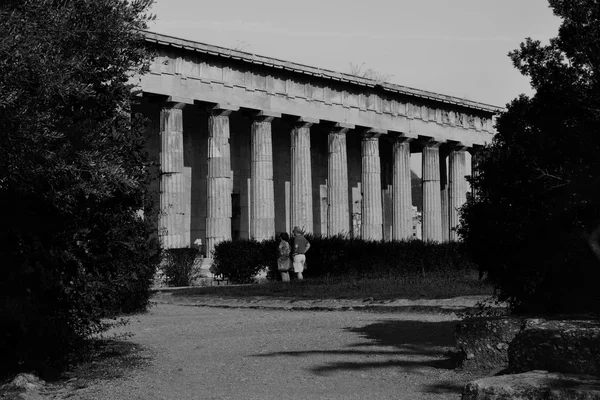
[(73, 174), (539, 181)]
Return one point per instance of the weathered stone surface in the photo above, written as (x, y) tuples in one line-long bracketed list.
[(338, 217), (432, 199), (457, 187), (484, 341), (534, 385), (372, 213), (557, 346), (401, 197)]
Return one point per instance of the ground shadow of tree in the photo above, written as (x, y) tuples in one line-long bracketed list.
[(103, 360), (415, 346)]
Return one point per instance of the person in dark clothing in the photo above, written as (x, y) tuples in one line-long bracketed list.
[(299, 246)]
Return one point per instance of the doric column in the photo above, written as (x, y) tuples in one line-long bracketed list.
[(170, 220), (457, 189), (219, 183), (372, 213), (475, 157), (338, 218), (444, 195), (262, 199), (401, 187), (301, 208), (432, 207)]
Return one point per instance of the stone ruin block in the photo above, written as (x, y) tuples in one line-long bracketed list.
[(568, 346), (534, 385), (483, 342)]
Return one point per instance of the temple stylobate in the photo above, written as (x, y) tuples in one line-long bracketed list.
[(250, 146)]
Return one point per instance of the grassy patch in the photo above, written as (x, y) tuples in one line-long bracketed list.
[(433, 285)]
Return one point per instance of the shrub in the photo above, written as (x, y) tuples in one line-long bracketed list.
[(179, 266), (74, 174), (537, 183), (240, 260)]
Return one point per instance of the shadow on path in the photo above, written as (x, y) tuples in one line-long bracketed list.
[(414, 345)]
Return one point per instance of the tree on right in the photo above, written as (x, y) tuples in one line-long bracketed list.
[(533, 223)]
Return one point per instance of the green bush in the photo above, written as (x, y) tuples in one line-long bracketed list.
[(340, 256), (240, 260), (74, 175), (538, 200), (179, 266)]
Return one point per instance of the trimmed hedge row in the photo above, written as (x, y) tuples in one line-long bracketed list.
[(240, 260)]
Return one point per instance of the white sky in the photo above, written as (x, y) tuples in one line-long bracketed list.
[(454, 47)]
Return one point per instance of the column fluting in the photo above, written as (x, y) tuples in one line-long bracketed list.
[(457, 188), (401, 195), (262, 199), (432, 207), (301, 208), (219, 184), (170, 219), (444, 196), (338, 217), (372, 212)]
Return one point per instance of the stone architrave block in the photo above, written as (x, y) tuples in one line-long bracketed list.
[(568, 346), (484, 342), (534, 385)]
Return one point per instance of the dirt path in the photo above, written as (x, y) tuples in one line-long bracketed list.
[(190, 352)]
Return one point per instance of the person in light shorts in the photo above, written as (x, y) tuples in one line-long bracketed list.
[(283, 261), (299, 246)]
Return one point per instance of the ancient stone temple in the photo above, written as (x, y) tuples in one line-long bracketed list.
[(250, 146)]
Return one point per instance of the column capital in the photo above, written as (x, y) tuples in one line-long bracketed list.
[(341, 128), (221, 109), (307, 120), (458, 146), (265, 116), (302, 122), (400, 138), (372, 133), (431, 143), (475, 149), (179, 102)]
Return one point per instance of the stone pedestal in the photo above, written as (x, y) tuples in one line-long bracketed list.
[(372, 213), (401, 187), (172, 185), (301, 209), (338, 217), (457, 188), (262, 199), (432, 206), (219, 182)]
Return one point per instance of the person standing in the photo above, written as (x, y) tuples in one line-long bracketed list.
[(283, 259), (299, 248)]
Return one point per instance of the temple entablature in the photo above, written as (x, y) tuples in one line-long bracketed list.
[(206, 73)]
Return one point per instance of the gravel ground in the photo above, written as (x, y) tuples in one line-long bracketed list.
[(199, 352)]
